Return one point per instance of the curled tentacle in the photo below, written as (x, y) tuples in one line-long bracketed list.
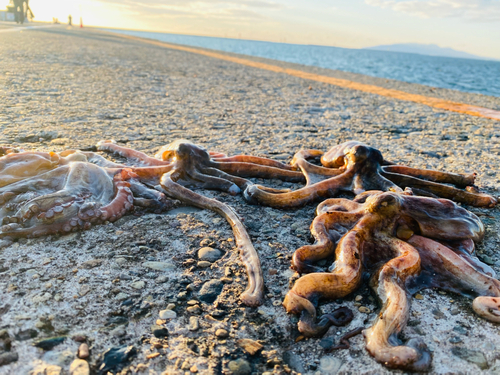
[(254, 294)]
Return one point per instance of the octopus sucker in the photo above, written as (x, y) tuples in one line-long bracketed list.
[(355, 167), (407, 243)]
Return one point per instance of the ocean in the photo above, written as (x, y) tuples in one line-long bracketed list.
[(468, 75)]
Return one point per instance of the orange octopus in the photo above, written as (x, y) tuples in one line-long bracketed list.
[(355, 167), (44, 193), (406, 243)]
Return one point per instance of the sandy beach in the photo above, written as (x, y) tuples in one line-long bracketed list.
[(67, 88)]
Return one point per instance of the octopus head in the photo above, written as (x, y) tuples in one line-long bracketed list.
[(360, 153), (182, 149), (384, 203)]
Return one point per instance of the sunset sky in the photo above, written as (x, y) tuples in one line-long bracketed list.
[(468, 25)]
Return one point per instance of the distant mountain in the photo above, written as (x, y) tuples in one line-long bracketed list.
[(426, 49)]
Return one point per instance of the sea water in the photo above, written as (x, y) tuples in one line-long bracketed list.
[(469, 75)]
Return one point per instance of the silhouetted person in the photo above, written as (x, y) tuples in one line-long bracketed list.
[(19, 11), (70, 20)]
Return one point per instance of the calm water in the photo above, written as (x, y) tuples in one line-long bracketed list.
[(477, 76)]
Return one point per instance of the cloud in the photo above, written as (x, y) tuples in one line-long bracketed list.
[(474, 10), (229, 10)]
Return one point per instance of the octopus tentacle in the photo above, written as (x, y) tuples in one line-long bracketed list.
[(252, 160), (253, 295), (128, 153), (463, 196), (244, 169), (459, 180), (381, 338), (327, 229), (344, 279), (461, 276)]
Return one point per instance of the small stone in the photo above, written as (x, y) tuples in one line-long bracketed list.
[(326, 342), (209, 254), (118, 332), (455, 340), (138, 285), (454, 311), (249, 346), (329, 365), (460, 330), (167, 314), (159, 266), (121, 296), (8, 357), (472, 356), (171, 306), (294, 361), (419, 296), (358, 298), (91, 263), (239, 367), (194, 369), (79, 367), (115, 358), (277, 303), (120, 261), (210, 291), (194, 323), (52, 370), (159, 331), (221, 333), (203, 264), (83, 351), (364, 309), (84, 290), (161, 279), (50, 343)]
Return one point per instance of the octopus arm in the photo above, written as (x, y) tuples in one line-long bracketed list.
[(309, 289), (253, 295), (247, 169), (389, 285), (463, 196), (462, 277), (136, 157), (459, 180)]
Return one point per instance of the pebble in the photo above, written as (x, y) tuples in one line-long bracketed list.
[(171, 306), (455, 340), (250, 346), (159, 331), (358, 298), (159, 266), (294, 361), (50, 343), (79, 367), (221, 333), (8, 357), (209, 254), (364, 309), (194, 309), (239, 367), (118, 332), (194, 323), (329, 365), (138, 285), (120, 261), (115, 358), (419, 296), (121, 296), (210, 291), (454, 311), (326, 342), (83, 351), (472, 356), (204, 264), (167, 314)]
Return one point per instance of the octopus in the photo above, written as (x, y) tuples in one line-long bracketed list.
[(44, 193), (405, 243), (355, 168)]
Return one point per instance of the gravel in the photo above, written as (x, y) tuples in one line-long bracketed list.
[(69, 88)]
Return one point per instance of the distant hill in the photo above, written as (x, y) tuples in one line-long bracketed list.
[(427, 49)]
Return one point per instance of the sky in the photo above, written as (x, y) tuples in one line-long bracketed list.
[(467, 25)]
